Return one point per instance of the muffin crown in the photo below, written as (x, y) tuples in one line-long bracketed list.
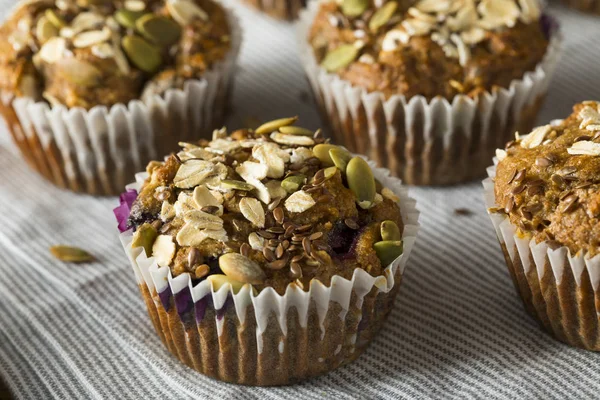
[(463, 46), (268, 207), (548, 181), (65, 50)]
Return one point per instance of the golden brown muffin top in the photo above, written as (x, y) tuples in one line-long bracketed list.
[(548, 182), (269, 207), (82, 53), (429, 47)]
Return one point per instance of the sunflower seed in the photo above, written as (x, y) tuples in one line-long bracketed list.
[(71, 254), (543, 162), (241, 268), (361, 181), (569, 203)]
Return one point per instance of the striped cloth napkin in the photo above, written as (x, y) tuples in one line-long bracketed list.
[(458, 330)]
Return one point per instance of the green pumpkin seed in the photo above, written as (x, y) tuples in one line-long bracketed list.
[(142, 54), (354, 8), (55, 19), (292, 183), (382, 15), (388, 250), (274, 125), (145, 237), (241, 268), (159, 30), (340, 158), (390, 231), (330, 172), (340, 57), (71, 254), (296, 130), (361, 182), (321, 151), (128, 18), (219, 280), (237, 185)]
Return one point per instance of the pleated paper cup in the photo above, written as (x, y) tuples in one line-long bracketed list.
[(271, 339), (588, 6), (558, 289), (436, 142), (280, 9), (100, 150)]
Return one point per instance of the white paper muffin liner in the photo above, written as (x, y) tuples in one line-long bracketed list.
[(281, 9), (99, 151), (426, 143), (559, 289), (271, 339)]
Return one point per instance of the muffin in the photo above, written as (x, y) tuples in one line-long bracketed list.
[(280, 9), (428, 89), (544, 200), (269, 256), (587, 6), (92, 90)]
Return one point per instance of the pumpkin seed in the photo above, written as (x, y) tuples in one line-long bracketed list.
[(241, 268), (340, 57), (274, 125), (340, 158), (382, 15), (321, 151), (361, 182), (159, 30), (145, 237), (127, 18), (354, 8), (329, 172), (296, 130), (388, 250), (142, 54), (45, 30), (71, 254), (219, 280), (54, 19), (293, 183), (237, 185), (390, 231), (185, 12)]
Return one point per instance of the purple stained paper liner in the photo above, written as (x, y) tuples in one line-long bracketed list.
[(271, 339)]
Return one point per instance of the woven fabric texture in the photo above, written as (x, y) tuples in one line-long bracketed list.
[(458, 330)]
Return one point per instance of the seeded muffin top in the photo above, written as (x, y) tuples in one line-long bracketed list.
[(548, 182), (268, 207), (429, 47), (82, 53)]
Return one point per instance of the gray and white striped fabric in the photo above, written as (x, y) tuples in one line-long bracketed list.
[(458, 329)]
